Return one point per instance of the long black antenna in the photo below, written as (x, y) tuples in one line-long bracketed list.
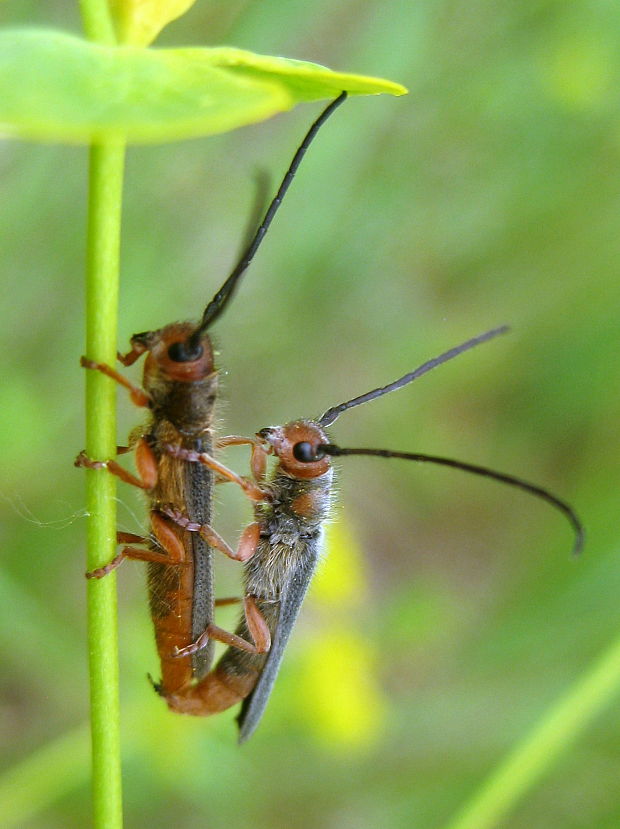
[(511, 480), (219, 301), (331, 414)]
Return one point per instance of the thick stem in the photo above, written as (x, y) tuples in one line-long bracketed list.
[(105, 197)]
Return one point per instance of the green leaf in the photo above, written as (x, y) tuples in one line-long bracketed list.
[(55, 86), (305, 81)]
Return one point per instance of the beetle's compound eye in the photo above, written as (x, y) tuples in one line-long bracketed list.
[(307, 453), (183, 352)]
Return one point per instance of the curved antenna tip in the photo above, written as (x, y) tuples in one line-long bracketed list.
[(511, 480)]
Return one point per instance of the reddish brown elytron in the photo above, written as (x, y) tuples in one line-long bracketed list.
[(180, 390)]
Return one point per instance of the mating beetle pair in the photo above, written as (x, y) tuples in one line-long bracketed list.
[(280, 548)]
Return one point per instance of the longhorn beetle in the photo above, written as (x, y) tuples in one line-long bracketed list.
[(294, 505), (180, 388)]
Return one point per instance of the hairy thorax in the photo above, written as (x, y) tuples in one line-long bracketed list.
[(289, 526)]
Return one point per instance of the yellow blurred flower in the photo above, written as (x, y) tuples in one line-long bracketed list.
[(338, 693)]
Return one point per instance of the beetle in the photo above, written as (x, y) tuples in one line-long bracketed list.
[(179, 388), (295, 504)]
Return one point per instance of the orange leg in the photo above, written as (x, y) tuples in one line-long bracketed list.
[(246, 547), (173, 550), (254, 492), (130, 538), (146, 464), (138, 395), (235, 440), (257, 626), (258, 460)]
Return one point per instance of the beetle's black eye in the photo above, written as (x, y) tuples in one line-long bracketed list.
[(306, 453), (183, 352)]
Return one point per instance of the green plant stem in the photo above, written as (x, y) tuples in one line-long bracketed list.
[(105, 197), (102, 277), (539, 750), (97, 21)]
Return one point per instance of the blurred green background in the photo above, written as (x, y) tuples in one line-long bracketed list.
[(450, 615)]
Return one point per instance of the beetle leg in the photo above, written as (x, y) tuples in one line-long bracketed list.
[(258, 460), (173, 551), (254, 492), (131, 538), (115, 468), (234, 440), (134, 553), (257, 626), (246, 547), (146, 464), (248, 540), (138, 395)]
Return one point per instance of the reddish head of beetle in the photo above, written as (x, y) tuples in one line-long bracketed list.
[(294, 442), (179, 377), (168, 355)]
